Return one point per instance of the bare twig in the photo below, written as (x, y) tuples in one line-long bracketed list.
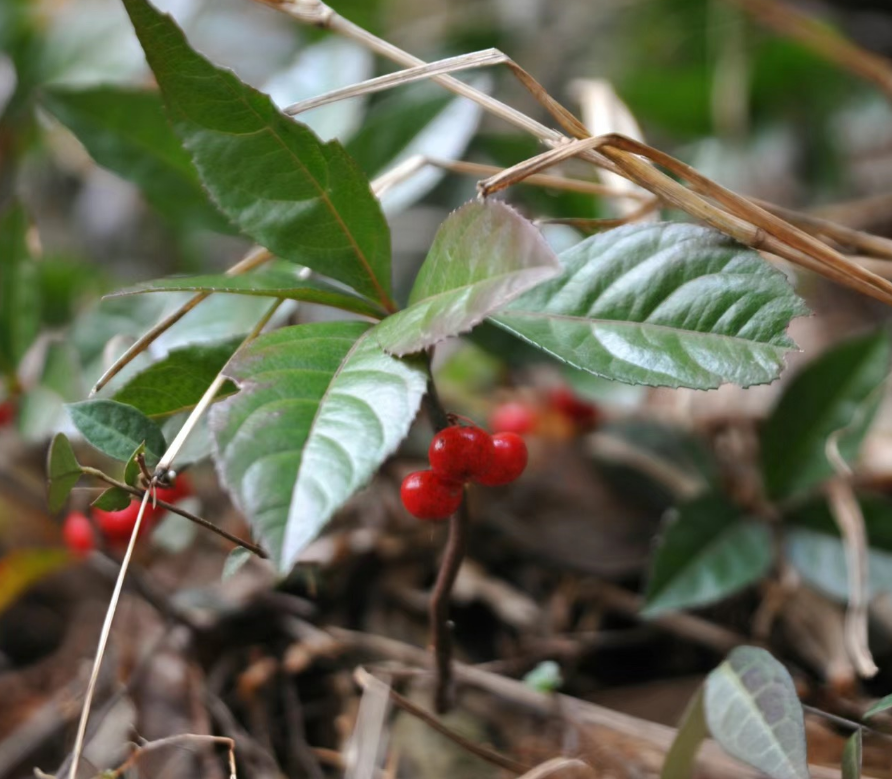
[(183, 739), (551, 767)]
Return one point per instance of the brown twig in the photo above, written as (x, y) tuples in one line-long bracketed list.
[(96, 473), (173, 741)]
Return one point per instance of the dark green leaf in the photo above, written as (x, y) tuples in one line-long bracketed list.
[(836, 390), (707, 552), (113, 499), (671, 305), (484, 255), (126, 131), (177, 381), (268, 284), (884, 704), (851, 756), (753, 712), (116, 429), (692, 731), (19, 290), (63, 471), (306, 201), (132, 471), (319, 408)]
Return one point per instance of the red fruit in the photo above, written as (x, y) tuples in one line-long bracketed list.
[(78, 534), (458, 454), (583, 413), (427, 496), (508, 462), (118, 525), (513, 417), (7, 412), (177, 491)]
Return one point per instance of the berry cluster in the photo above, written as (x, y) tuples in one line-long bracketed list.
[(79, 532), (458, 455)]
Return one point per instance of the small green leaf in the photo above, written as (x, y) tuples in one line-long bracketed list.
[(754, 714), (681, 758), (113, 499), (484, 256), (235, 561), (545, 677), (306, 201), (63, 471), (116, 429), (707, 552), (884, 704), (177, 382), (19, 290), (671, 305), (132, 471), (835, 391), (126, 131), (320, 407), (265, 283), (851, 756)]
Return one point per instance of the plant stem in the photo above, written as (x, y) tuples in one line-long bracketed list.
[(440, 626), (96, 473)]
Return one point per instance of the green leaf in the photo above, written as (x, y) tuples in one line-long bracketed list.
[(126, 131), (19, 290), (484, 255), (132, 471), (235, 561), (754, 714), (545, 677), (63, 471), (117, 430), (305, 201), (177, 381), (672, 305), (837, 390), (884, 704), (707, 552), (265, 283), (851, 756), (113, 499), (681, 758), (320, 407)]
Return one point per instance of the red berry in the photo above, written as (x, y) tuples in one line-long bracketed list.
[(583, 413), (177, 491), (77, 532), (508, 462), (118, 525), (459, 453), (427, 496), (7, 412), (513, 417)]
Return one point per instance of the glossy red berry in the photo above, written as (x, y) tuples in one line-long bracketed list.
[(513, 417), (78, 533), (7, 412), (508, 462), (118, 525), (428, 496), (581, 412), (460, 453)]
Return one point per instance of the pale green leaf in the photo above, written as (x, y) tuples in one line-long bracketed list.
[(235, 561), (63, 471), (884, 704), (19, 290), (851, 756), (681, 758)]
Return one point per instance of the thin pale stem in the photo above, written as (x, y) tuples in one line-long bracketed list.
[(175, 741)]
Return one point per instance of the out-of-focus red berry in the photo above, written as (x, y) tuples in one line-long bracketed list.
[(427, 496), (177, 491), (458, 454), (513, 417), (509, 460), (7, 412), (117, 526), (78, 533), (584, 414)]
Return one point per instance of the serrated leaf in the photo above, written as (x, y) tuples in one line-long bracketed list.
[(835, 391), (671, 305), (235, 561), (305, 201), (268, 284), (19, 289), (319, 408), (177, 382), (116, 429), (754, 714), (126, 131), (851, 756), (707, 551), (483, 256), (113, 499), (681, 758), (63, 471), (884, 704), (23, 568)]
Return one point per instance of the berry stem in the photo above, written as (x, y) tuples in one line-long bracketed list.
[(441, 627)]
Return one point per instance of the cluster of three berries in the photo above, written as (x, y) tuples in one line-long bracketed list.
[(458, 455)]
